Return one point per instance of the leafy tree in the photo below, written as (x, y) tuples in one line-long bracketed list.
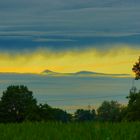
[(123, 113), (133, 110), (109, 111), (84, 115), (61, 115), (47, 113), (17, 104), (136, 69)]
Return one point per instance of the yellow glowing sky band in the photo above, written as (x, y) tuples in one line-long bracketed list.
[(118, 60)]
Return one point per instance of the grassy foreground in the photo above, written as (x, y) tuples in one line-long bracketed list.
[(70, 131)]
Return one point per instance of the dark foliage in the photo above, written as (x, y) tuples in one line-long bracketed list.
[(47, 113), (17, 104), (136, 69), (133, 110), (109, 111), (84, 115)]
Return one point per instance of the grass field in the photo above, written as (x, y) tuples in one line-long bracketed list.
[(70, 131)]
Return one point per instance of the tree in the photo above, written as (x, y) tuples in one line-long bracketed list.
[(61, 115), (84, 115), (133, 110), (17, 104), (109, 111), (47, 113), (136, 69)]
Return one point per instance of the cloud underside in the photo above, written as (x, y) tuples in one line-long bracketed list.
[(118, 59), (61, 17)]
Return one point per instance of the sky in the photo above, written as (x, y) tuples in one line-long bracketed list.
[(69, 35)]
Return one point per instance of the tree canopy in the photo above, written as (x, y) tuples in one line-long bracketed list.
[(136, 69), (17, 103), (85, 115), (109, 111), (133, 110)]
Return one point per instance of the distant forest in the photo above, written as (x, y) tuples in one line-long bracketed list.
[(17, 104)]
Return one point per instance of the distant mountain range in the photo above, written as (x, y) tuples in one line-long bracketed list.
[(83, 74), (78, 74)]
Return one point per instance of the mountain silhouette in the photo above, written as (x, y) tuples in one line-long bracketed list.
[(84, 74)]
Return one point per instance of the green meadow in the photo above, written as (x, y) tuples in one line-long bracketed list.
[(70, 131)]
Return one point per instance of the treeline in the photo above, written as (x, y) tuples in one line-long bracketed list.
[(17, 104)]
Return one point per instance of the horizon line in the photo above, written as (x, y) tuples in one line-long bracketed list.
[(12, 72)]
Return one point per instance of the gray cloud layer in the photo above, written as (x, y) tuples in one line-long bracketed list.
[(70, 15), (70, 18)]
